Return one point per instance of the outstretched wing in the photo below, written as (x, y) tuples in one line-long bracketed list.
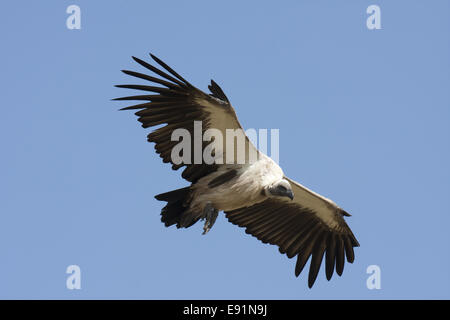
[(177, 103), (310, 225)]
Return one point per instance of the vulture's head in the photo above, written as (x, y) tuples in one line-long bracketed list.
[(281, 188)]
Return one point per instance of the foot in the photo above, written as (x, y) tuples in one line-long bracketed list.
[(210, 214)]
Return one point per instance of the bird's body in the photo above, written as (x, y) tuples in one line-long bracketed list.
[(253, 191), (243, 190)]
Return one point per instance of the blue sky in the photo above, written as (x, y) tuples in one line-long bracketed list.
[(363, 118)]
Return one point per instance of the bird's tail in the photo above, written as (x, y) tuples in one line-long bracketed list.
[(177, 209)]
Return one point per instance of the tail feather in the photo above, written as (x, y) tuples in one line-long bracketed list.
[(176, 211)]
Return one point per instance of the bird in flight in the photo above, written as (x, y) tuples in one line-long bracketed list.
[(253, 193)]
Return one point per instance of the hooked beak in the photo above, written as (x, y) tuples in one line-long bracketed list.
[(290, 195)]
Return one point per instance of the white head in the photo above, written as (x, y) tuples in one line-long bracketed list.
[(280, 188)]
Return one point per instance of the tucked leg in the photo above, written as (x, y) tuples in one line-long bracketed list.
[(210, 214)]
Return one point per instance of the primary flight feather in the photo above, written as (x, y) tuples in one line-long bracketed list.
[(253, 193)]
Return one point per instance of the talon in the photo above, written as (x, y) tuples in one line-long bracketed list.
[(205, 229)]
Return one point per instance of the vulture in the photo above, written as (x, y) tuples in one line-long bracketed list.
[(253, 193)]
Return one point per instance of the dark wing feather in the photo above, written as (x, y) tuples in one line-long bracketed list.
[(177, 104), (217, 91), (308, 226)]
